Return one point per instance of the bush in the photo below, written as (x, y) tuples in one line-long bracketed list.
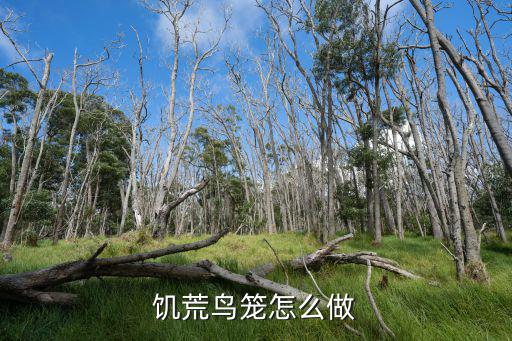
[(30, 238), (144, 236)]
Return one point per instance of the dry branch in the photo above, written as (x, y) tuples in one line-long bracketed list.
[(163, 252), (312, 260), (191, 191), (316, 258), (278, 260), (379, 262), (373, 303)]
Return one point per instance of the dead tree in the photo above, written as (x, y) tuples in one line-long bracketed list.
[(93, 79), (23, 177), (36, 286), (173, 11), (473, 261)]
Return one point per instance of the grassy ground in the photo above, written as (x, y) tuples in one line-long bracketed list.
[(121, 309)]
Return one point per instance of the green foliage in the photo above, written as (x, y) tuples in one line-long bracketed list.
[(38, 207), (395, 115), (501, 186), (101, 130), (351, 205), (365, 131), (5, 174), (30, 238), (349, 52), (360, 157), (411, 221), (213, 155), (224, 197), (18, 97), (15, 99)]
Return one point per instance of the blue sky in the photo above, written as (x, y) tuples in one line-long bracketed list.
[(63, 25)]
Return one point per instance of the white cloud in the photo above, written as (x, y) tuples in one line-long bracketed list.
[(209, 16)]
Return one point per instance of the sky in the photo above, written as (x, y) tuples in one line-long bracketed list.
[(60, 26), (88, 25)]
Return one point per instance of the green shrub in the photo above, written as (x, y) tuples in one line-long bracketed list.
[(30, 238)]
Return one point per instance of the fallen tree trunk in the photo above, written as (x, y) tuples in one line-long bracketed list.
[(24, 286), (34, 286), (313, 260), (378, 262), (316, 259)]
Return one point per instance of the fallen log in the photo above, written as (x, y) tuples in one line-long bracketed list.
[(379, 262), (316, 259), (26, 286), (34, 286), (313, 260), (253, 280)]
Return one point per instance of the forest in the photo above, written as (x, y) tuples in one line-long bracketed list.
[(342, 136)]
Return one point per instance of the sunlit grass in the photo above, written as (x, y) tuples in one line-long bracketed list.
[(121, 309)]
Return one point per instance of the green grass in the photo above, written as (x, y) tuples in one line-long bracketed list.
[(120, 309)]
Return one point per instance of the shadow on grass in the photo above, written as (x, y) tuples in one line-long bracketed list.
[(499, 248)]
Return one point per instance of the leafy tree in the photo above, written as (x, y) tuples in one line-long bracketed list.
[(225, 195), (350, 45), (17, 95)]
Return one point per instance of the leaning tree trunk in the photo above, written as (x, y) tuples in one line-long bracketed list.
[(473, 262), (27, 157)]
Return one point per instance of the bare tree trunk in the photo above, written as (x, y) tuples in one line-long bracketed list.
[(280, 180), (12, 185), (375, 166), (93, 209), (456, 226), (388, 213), (27, 157), (473, 262), (434, 211), (125, 200), (399, 169), (78, 103), (497, 215), (330, 228), (50, 107), (168, 174)]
